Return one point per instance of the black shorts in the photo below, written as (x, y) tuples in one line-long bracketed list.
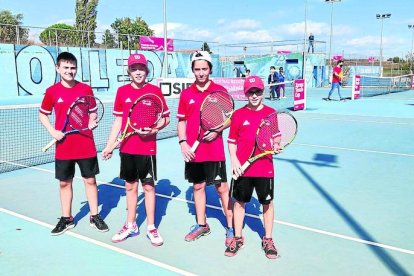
[(65, 169), (211, 172), (242, 189), (138, 167)]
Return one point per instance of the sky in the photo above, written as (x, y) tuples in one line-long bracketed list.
[(355, 29)]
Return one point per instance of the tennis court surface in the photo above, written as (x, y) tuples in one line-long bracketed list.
[(343, 203)]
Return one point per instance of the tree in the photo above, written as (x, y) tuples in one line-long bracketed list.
[(86, 13), (108, 39), (205, 47), (11, 32), (128, 31), (59, 34)]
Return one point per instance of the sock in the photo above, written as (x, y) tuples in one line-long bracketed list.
[(130, 224), (150, 227)]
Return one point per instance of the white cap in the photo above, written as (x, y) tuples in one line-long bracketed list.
[(201, 55)]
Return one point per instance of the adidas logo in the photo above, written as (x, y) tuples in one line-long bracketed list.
[(128, 100), (191, 101), (268, 197), (246, 123), (148, 175), (60, 100), (217, 177)]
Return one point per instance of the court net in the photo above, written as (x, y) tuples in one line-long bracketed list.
[(373, 86), (22, 136)]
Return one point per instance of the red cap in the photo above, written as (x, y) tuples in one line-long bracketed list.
[(253, 82), (137, 59)]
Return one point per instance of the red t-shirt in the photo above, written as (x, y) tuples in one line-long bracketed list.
[(336, 70), (244, 124), (125, 97), (189, 110), (59, 99)]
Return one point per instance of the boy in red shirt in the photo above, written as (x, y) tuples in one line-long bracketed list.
[(259, 175), (336, 80), (207, 165), (138, 152), (73, 149)]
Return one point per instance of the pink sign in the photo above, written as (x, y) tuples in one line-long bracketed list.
[(336, 58), (234, 86), (356, 87), (299, 92), (155, 43), (412, 82), (371, 59), (283, 52)]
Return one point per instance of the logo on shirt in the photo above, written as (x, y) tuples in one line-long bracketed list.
[(60, 100), (268, 197), (128, 100), (217, 177), (191, 101), (148, 175), (246, 123)]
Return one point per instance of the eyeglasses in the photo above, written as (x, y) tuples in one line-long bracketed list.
[(258, 93)]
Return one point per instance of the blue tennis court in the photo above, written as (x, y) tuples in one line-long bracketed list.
[(343, 203)]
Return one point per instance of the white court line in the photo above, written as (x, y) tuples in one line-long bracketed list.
[(323, 232), (353, 120), (101, 244), (358, 150)]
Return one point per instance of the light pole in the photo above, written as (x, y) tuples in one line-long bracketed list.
[(382, 17), (165, 63), (330, 37), (412, 48)]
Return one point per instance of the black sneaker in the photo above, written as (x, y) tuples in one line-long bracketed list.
[(342, 99), (63, 225), (97, 222), (235, 245), (269, 248)]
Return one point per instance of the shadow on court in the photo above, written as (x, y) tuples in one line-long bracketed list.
[(165, 193), (253, 208), (108, 199), (327, 160)]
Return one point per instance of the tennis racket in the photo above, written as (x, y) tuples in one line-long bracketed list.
[(79, 115), (215, 112), (275, 128), (145, 112)]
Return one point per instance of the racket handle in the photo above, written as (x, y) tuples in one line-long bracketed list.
[(51, 143), (244, 167), (195, 146)]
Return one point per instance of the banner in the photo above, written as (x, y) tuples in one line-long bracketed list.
[(337, 58), (234, 86), (155, 43), (356, 87), (299, 92), (172, 87)]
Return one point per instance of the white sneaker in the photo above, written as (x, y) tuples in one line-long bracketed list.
[(155, 237), (125, 233)]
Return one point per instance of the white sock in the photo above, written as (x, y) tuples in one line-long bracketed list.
[(130, 224), (151, 227)]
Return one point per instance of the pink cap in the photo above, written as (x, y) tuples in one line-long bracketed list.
[(253, 82), (137, 59)]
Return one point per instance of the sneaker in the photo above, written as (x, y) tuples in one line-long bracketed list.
[(63, 225), (269, 248), (342, 99), (155, 237), (229, 236), (125, 233), (196, 232), (235, 245), (97, 222)]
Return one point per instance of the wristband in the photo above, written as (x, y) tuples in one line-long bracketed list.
[(181, 141)]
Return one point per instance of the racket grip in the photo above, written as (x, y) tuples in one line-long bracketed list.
[(244, 167), (51, 143), (195, 146)]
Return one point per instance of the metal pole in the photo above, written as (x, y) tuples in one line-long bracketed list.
[(330, 39), (306, 27), (165, 63), (412, 48), (382, 26)]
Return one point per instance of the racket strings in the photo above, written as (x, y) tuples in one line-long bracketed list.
[(146, 113), (216, 109), (79, 116), (288, 127), (268, 131)]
